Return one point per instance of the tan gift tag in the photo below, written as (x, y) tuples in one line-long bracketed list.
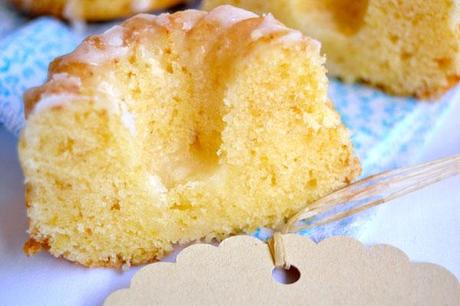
[(337, 271)]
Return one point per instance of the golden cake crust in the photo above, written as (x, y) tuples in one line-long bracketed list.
[(91, 10), (408, 47), (134, 217), (77, 63)]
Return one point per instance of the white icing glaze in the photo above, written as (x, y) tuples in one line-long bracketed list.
[(113, 36), (52, 100), (148, 17), (292, 36), (66, 78), (163, 20), (187, 26), (140, 5), (91, 55), (73, 12), (88, 53), (228, 15), (113, 48), (268, 26), (316, 44), (189, 21)]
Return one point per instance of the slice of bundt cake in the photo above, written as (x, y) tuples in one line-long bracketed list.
[(172, 128), (91, 10), (406, 47)]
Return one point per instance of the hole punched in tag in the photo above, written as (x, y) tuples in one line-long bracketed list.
[(359, 196), (286, 276), (294, 270)]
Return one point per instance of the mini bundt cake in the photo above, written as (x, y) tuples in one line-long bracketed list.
[(172, 128), (406, 47), (91, 10)]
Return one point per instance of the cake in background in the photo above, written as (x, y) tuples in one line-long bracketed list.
[(171, 128), (91, 10), (405, 47)]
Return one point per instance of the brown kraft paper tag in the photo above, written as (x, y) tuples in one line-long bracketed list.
[(337, 271)]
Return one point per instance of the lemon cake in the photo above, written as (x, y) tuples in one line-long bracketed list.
[(91, 10), (406, 47), (172, 128)]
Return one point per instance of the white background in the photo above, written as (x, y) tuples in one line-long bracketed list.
[(425, 225)]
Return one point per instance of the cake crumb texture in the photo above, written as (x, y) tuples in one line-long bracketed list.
[(406, 47), (173, 128), (91, 10)]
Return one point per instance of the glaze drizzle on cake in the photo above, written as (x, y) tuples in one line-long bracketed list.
[(169, 129)]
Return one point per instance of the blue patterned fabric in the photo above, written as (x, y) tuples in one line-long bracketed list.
[(387, 131), (24, 58)]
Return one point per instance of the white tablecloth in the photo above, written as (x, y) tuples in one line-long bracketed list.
[(425, 225)]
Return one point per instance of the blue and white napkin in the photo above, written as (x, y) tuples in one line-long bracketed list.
[(387, 131)]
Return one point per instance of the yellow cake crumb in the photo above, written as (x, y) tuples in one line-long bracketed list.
[(406, 47), (91, 10), (173, 128)]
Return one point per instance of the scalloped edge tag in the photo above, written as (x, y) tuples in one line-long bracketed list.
[(337, 271)]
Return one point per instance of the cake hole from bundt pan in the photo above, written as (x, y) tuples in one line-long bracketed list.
[(184, 128), (286, 276), (348, 15)]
